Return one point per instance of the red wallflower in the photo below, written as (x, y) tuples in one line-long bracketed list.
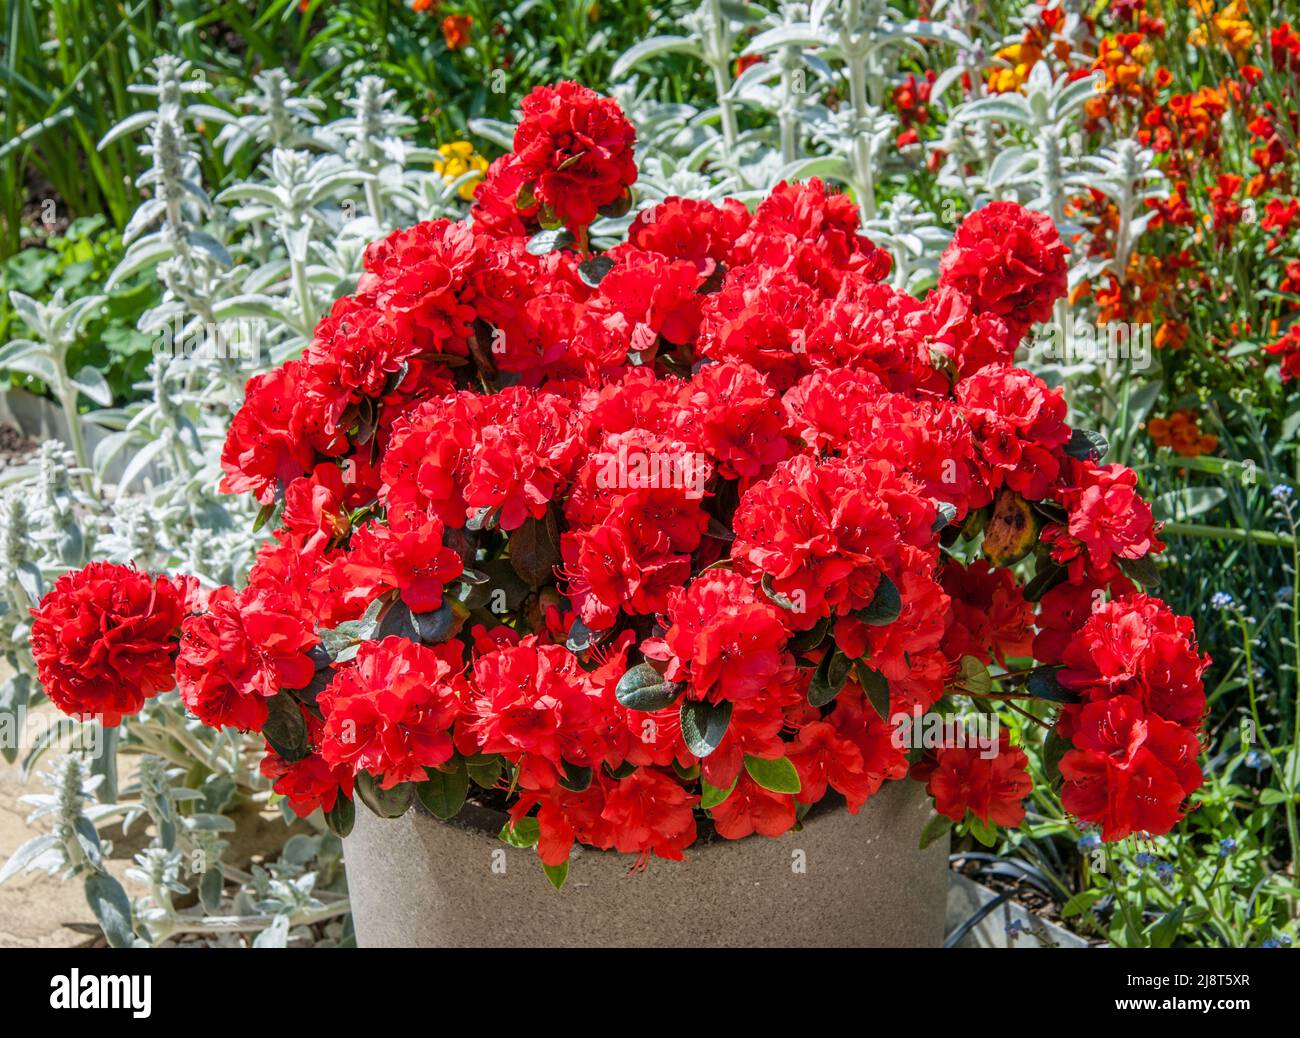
[(105, 639), (1288, 348)]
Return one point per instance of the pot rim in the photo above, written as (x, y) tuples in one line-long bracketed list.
[(480, 820)]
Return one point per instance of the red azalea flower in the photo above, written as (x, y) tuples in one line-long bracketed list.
[(410, 558), (105, 638), (752, 809), (724, 640), (989, 617), (741, 421), (823, 530), (1018, 424), (1130, 770), (535, 704), (649, 811), (309, 783), (1137, 646), (268, 445), (1009, 261), (313, 515), (1108, 519), (388, 712), (992, 788), (243, 650), (574, 148)]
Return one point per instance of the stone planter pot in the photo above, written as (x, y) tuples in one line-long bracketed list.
[(843, 881)]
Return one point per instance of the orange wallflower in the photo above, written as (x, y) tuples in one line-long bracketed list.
[(1230, 27), (455, 30), (1181, 433)]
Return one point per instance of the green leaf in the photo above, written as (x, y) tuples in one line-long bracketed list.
[(806, 641), (974, 676), (945, 513), (936, 827), (112, 908), (443, 792), (397, 621), (1054, 748), (548, 241), (704, 724), (581, 637), (984, 832), (285, 728), (484, 770), (1144, 571), (644, 688), (264, 514), (434, 627), (875, 686), (535, 550), (341, 816), (386, 803), (575, 777), (210, 889), (557, 874), (1044, 684), (1082, 901), (884, 607), (829, 677), (1084, 443), (778, 775), (592, 270), (776, 596), (711, 796), (523, 834), (1047, 574), (1163, 931)]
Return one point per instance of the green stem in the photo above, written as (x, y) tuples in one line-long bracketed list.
[(1228, 533)]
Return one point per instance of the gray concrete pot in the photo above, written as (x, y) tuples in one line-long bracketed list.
[(843, 881)]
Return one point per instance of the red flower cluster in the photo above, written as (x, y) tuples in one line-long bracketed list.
[(625, 534), (105, 639), (991, 786), (1136, 732), (1010, 262), (572, 157)]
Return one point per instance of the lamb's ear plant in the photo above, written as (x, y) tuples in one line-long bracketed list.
[(55, 329), (244, 277)]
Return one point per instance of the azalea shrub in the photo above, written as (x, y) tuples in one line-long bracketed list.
[(681, 533)]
